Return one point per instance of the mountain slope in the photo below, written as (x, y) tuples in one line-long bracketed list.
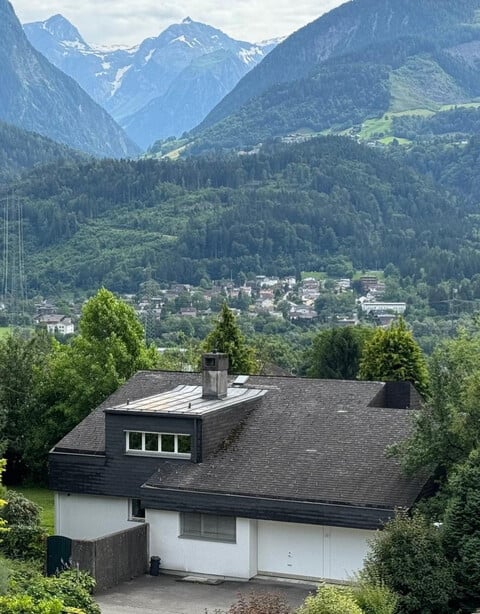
[(437, 64), (287, 209), (36, 96), (346, 29), (190, 66), (21, 150)]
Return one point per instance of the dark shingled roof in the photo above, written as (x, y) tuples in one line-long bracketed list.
[(306, 440)]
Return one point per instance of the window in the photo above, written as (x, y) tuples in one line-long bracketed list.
[(160, 444), (136, 510), (208, 526)]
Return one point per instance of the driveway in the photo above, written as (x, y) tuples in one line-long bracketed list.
[(165, 594)]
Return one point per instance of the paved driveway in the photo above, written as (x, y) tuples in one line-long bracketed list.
[(164, 594)]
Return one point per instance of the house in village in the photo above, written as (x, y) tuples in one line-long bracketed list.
[(239, 476), (56, 323)]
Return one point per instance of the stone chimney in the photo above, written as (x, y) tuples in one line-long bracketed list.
[(214, 375)]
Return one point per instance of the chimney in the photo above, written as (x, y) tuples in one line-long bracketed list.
[(214, 375)]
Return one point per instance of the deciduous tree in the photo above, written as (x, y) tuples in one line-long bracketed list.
[(392, 354)]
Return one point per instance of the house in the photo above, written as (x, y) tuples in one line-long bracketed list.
[(377, 307), (239, 476), (56, 323)]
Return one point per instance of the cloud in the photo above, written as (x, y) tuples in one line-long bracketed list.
[(122, 22)]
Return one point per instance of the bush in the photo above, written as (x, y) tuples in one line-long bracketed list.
[(374, 598), (72, 588), (23, 604), (19, 510), (329, 600), (24, 542), (260, 603)]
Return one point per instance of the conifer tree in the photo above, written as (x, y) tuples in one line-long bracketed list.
[(228, 338)]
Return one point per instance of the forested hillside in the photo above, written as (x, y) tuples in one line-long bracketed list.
[(21, 150), (286, 209), (357, 63)]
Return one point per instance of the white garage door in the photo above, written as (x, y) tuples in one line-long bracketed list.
[(311, 551)]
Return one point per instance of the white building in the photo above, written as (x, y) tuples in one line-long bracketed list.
[(259, 475)]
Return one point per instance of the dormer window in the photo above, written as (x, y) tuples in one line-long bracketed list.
[(158, 444)]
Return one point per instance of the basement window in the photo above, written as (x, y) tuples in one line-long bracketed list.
[(158, 444), (195, 525), (136, 510)]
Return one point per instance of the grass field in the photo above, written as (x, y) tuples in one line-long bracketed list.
[(3, 331), (44, 498)]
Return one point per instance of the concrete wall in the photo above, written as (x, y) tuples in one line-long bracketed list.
[(89, 516), (202, 556), (114, 558), (312, 551)]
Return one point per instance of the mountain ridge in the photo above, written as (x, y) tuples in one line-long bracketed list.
[(36, 96), (127, 81)]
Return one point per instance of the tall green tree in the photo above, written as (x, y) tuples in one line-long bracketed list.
[(336, 353), (407, 557), (24, 361), (392, 354), (461, 531), (447, 427), (109, 349), (227, 337)]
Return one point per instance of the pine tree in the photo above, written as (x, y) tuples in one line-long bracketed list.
[(228, 338)]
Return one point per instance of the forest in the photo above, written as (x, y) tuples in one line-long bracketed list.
[(280, 211)]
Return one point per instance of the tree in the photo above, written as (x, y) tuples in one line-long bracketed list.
[(461, 531), (447, 427), (23, 365), (109, 349), (227, 337), (336, 353), (392, 354), (407, 557)]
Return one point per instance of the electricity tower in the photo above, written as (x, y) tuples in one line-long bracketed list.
[(13, 297)]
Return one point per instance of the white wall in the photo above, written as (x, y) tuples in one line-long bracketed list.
[(311, 550), (201, 556), (88, 516)]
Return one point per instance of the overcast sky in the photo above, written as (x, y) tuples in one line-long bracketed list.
[(127, 22)]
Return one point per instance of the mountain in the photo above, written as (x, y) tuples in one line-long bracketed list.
[(360, 61), (162, 87), (36, 96), (309, 207), (21, 150)]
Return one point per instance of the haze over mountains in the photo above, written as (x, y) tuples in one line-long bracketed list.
[(164, 86), (36, 96)]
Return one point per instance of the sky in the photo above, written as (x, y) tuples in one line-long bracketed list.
[(123, 22)]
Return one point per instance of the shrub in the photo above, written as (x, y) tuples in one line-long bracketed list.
[(19, 510), (330, 600), (24, 604), (260, 603), (374, 598), (24, 542)]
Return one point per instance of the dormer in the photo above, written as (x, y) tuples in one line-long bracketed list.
[(187, 423)]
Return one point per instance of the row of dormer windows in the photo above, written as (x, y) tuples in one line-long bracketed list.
[(162, 444)]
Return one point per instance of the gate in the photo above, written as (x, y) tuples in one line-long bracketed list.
[(59, 554)]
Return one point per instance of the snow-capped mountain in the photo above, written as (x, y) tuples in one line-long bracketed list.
[(37, 97), (135, 85)]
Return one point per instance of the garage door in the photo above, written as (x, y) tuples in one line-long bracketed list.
[(311, 551)]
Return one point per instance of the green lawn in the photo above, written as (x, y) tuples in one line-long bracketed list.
[(44, 498)]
